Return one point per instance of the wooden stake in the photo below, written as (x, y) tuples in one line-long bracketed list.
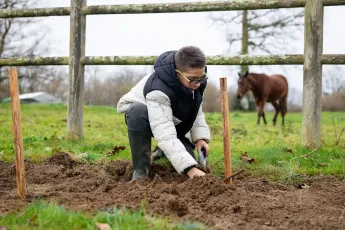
[(17, 132), (226, 140)]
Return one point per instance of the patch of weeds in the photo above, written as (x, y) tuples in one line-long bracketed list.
[(40, 215), (237, 115), (28, 140), (98, 147), (239, 131), (294, 179)]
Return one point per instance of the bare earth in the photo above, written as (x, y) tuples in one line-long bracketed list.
[(250, 203)]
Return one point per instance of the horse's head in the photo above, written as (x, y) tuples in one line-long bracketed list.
[(243, 85)]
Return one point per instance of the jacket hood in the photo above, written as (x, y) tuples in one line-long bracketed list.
[(164, 67)]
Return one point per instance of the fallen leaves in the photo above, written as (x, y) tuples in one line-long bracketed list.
[(245, 158), (116, 150), (288, 150)]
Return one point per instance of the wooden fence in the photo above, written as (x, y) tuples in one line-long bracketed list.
[(313, 57)]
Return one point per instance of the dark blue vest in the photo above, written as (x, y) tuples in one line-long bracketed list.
[(185, 106)]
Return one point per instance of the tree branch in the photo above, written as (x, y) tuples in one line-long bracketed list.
[(225, 21), (4, 35), (308, 154)]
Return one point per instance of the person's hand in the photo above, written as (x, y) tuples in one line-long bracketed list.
[(202, 144), (195, 172)]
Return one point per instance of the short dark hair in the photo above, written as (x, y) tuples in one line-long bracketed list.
[(189, 57)]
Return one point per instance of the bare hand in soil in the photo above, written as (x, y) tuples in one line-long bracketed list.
[(195, 172), (202, 144)]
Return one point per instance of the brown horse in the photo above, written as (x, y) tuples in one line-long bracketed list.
[(265, 89)]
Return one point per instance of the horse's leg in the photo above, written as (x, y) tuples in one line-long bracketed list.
[(261, 112), (283, 106), (259, 116), (264, 117), (276, 107), (257, 102)]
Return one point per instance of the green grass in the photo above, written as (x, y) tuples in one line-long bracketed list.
[(44, 129), (39, 215)]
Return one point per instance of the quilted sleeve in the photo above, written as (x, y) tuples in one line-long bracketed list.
[(164, 131), (200, 129)]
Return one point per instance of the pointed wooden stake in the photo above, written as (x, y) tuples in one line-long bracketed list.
[(17, 132), (226, 140)]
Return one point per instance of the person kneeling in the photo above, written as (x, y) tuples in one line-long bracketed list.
[(167, 105)]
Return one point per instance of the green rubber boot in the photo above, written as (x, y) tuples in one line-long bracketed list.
[(140, 144)]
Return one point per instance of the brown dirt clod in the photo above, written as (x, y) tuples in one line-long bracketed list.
[(249, 203), (63, 159)]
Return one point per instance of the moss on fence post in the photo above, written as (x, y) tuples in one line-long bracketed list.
[(211, 60), (192, 7), (38, 12), (327, 59), (333, 59), (76, 70), (33, 61), (312, 80)]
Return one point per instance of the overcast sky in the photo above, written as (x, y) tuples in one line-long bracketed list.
[(152, 34)]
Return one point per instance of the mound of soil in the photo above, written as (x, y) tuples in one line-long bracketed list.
[(250, 203), (63, 159)]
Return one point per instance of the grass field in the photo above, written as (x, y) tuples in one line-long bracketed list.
[(276, 150), (273, 148)]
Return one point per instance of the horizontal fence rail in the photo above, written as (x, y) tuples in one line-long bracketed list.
[(328, 59), (312, 59), (164, 8)]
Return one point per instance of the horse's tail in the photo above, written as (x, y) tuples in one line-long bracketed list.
[(287, 85), (284, 97)]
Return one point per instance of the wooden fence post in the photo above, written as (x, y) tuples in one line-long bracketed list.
[(312, 71), (226, 138), (17, 133), (76, 70)]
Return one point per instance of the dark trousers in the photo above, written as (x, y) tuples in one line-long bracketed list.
[(137, 120)]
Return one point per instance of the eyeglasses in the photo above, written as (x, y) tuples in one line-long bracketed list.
[(193, 82)]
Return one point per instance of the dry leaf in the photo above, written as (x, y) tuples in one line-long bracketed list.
[(3, 228), (303, 186), (288, 150), (101, 226), (245, 158), (323, 164), (116, 150)]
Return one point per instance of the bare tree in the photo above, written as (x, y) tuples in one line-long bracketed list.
[(21, 37), (14, 30), (262, 30), (107, 89), (333, 80)]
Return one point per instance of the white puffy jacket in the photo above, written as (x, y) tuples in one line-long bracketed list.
[(163, 123)]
